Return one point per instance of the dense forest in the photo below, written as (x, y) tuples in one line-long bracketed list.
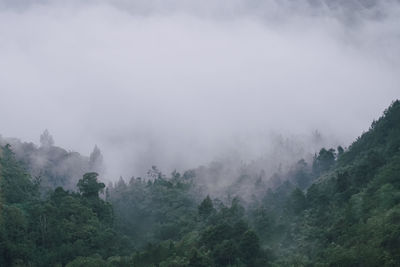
[(340, 209)]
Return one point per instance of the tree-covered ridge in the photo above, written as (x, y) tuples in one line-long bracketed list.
[(54, 230), (341, 209), (53, 165), (351, 213)]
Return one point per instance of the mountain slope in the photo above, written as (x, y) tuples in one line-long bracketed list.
[(352, 217)]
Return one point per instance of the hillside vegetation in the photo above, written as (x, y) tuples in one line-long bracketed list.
[(341, 209)]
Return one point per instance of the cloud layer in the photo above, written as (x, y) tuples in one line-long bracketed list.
[(178, 83)]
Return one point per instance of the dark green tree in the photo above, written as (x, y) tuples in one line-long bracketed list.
[(323, 161), (206, 207), (89, 186)]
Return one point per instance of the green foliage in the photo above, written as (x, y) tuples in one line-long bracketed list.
[(15, 183), (154, 210), (87, 262), (324, 161), (56, 229), (89, 186), (344, 210), (51, 165), (349, 215), (297, 202), (206, 207)]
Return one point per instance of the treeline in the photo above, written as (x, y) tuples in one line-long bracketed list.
[(54, 166), (342, 209), (46, 231)]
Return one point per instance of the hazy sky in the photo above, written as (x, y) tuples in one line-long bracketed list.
[(177, 83)]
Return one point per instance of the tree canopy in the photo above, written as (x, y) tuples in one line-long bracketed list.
[(341, 209)]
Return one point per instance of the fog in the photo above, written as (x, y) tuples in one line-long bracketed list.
[(178, 84)]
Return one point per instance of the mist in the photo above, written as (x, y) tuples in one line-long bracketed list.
[(179, 84)]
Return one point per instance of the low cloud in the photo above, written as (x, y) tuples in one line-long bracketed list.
[(180, 83)]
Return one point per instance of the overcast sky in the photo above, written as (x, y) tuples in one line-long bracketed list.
[(177, 83)]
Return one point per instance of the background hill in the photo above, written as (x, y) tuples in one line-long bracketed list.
[(341, 209), (53, 165)]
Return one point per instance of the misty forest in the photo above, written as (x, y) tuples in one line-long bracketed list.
[(340, 209), (175, 133)]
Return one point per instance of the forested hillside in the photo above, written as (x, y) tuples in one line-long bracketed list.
[(53, 165), (341, 209)]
